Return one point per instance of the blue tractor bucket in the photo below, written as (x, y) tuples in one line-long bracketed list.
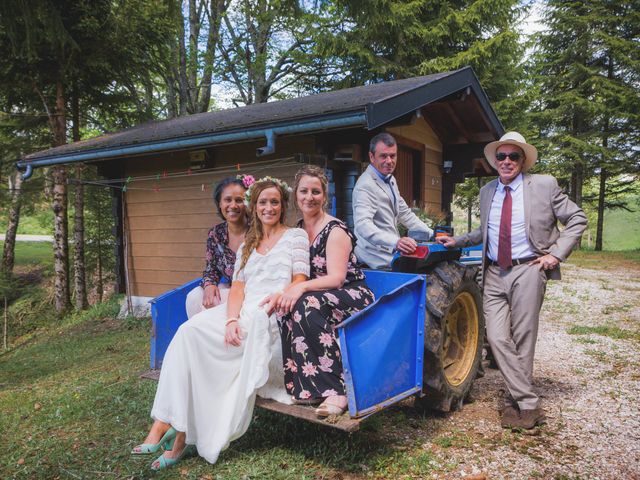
[(382, 346)]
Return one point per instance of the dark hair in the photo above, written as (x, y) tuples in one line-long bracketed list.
[(220, 186), (383, 137), (315, 172)]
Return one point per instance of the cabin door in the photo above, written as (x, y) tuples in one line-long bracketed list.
[(408, 174)]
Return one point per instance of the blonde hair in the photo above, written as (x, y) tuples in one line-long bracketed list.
[(316, 172), (255, 234)]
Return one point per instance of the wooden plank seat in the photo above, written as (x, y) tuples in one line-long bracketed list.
[(342, 422)]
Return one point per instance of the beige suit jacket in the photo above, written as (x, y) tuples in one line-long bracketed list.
[(544, 206), (375, 219)]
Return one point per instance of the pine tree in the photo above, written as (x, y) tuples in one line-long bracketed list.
[(587, 72), (381, 40), (68, 54)]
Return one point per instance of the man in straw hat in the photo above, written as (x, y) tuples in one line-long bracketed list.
[(522, 248)]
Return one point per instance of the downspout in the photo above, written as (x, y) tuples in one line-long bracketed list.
[(26, 170), (270, 147), (269, 133)]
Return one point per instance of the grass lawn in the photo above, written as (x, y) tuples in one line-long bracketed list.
[(33, 253), (621, 229), (74, 405), (605, 260)]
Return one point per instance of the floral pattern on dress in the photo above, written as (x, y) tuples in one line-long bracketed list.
[(220, 259), (310, 351)]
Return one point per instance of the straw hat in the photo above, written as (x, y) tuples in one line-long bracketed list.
[(512, 138)]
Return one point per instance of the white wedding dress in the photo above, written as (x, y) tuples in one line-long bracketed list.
[(207, 389)]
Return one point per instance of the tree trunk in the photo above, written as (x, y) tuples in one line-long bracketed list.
[(79, 268), (579, 183), (59, 205), (192, 60), (260, 40), (60, 240), (4, 329), (601, 196), (217, 10), (99, 286), (183, 82), (469, 215), (8, 253)]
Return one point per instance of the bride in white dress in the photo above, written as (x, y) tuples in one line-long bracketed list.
[(222, 357)]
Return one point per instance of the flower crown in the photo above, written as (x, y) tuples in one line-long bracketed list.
[(247, 180), (281, 183)]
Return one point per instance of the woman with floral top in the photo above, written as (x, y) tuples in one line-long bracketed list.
[(222, 243), (310, 310)]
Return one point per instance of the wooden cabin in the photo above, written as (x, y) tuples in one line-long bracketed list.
[(165, 170)]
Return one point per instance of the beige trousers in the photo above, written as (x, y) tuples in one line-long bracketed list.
[(512, 300)]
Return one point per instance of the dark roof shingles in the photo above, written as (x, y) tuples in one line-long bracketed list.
[(322, 104)]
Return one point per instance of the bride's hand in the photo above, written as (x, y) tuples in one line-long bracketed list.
[(271, 301), (233, 334), (288, 299)]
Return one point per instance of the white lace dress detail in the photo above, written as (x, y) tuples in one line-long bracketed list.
[(207, 389)]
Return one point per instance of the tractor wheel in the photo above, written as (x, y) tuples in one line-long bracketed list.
[(454, 336)]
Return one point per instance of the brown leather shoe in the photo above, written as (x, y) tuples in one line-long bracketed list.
[(509, 417), (529, 418)]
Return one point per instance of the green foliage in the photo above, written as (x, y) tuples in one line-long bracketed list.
[(429, 217), (267, 48), (40, 222), (107, 309), (587, 69), (390, 39), (467, 197), (621, 225), (32, 310), (8, 287), (99, 227)]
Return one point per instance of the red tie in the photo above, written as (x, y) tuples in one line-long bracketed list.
[(504, 239)]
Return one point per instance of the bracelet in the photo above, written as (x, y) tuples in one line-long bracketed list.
[(232, 319)]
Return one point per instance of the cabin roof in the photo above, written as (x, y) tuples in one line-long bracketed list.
[(369, 106)]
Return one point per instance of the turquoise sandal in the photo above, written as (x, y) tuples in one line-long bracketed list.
[(164, 462), (166, 442)]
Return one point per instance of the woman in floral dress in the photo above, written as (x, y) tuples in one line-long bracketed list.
[(310, 310), (223, 241)]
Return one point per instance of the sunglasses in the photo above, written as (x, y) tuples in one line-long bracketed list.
[(513, 156)]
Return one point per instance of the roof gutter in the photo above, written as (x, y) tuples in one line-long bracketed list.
[(204, 140)]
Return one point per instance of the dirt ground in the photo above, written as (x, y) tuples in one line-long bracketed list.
[(587, 371)]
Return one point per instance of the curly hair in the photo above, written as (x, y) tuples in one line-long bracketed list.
[(316, 172), (255, 234)]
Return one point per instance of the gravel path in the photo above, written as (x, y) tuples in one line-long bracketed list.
[(587, 371)]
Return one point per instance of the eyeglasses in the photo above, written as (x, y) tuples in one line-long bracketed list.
[(513, 156)]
